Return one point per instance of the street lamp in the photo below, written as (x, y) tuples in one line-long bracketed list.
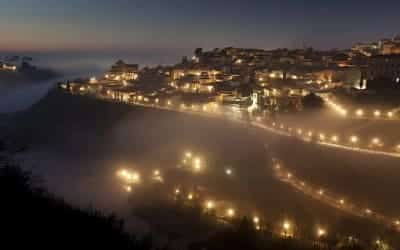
[(354, 139), (286, 229), (128, 189), (360, 112), (321, 232), (197, 164), (230, 212), (188, 154), (209, 205), (256, 220)]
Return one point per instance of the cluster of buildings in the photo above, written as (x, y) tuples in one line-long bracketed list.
[(381, 69), (8, 67), (14, 63), (382, 47), (273, 80)]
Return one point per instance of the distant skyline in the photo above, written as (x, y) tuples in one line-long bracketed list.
[(178, 25)]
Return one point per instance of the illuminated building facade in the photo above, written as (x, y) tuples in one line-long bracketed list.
[(122, 71)]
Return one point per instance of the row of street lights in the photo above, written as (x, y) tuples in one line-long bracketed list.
[(360, 113), (340, 203)]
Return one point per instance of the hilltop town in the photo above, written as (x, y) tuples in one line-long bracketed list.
[(274, 80)]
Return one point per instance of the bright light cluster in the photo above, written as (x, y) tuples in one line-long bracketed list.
[(129, 177)]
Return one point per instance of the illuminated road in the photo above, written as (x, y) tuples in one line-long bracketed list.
[(326, 198), (252, 188), (330, 199), (360, 114), (216, 112), (326, 144)]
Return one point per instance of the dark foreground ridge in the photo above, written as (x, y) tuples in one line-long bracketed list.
[(32, 218), (35, 219)]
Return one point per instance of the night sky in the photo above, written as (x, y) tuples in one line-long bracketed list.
[(182, 24)]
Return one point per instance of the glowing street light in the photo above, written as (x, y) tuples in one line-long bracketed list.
[(341, 202), (135, 177), (335, 138), (354, 139), (377, 113), (322, 137), (376, 142), (368, 211), (177, 191), (129, 177), (156, 172), (197, 164), (287, 229), (188, 154), (321, 192), (128, 189), (256, 220), (289, 175), (123, 173), (230, 212), (210, 205), (190, 196), (228, 171), (390, 114), (360, 112), (321, 232)]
